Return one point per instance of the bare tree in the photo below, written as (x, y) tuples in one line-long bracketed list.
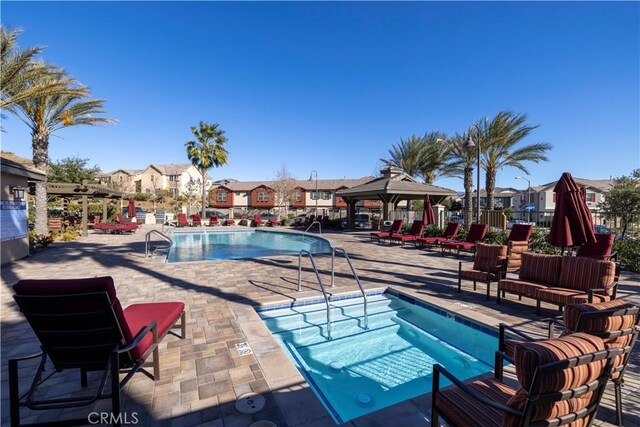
[(284, 190)]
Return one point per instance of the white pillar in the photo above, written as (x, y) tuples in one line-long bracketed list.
[(438, 212)]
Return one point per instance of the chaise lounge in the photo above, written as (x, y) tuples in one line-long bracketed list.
[(396, 226), (414, 232), (476, 235), (449, 233), (81, 325)]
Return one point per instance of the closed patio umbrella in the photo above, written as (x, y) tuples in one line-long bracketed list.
[(572, 224), (132, 208), (427, 213)]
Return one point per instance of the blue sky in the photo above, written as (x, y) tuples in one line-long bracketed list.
[(332, 86)]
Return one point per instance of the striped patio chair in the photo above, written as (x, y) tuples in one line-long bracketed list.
[(489, 266)]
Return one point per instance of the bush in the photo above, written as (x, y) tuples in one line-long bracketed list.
[(39, 240), (141, 197), (628, 254), (497, 237), (432, 231), (70, 234), (538, 242)]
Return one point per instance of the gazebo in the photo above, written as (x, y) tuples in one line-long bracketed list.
[(393, 187), (84, 192)]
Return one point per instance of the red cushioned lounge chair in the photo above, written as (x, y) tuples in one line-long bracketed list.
[(450, 233), (414, 232), (395, 229), (122, 220), (182, 220), (273, 222), (81, 325), (476, 234), (257, 221), (600, 249), (196, 221), (213, 220), (115, 228), (229, 221)]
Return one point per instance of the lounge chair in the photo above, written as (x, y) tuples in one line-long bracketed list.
[(600, 249), (489, 266), (257, 221), (561, 381), (273, 222), (81, 325), (229, 221), (450, 233), (307, 222), (122, 220), (213, 220), (182, 220), (395, 229), (196, 221), (476, 234), (115, 228), (615, 322), (414, 232), (517, 243)]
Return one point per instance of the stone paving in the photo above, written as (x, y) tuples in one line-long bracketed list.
[(203, 374)]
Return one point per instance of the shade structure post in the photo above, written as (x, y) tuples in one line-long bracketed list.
[(85, 215)]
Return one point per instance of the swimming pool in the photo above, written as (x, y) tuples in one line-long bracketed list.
[(359, 372), (218, 245)]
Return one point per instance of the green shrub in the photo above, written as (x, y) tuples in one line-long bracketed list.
[(538, 242), (498, 237), (41, 240), (628, 254), (70, 234), (141, 197), (432, 231), (462, 234), (335, 224), (284, 221)]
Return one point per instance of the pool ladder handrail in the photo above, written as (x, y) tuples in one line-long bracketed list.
[(147, 240), (311, 226), (355, 276), (324, 292)]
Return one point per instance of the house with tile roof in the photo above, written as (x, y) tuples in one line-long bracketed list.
[(173, 177), (261, 194)]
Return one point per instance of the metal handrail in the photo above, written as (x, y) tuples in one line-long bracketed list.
[(312, 224), (355, 275), (173, 223), (326, 298), (147, 239)]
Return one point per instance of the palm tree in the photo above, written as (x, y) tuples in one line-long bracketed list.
[(419, 156), (21, 75), (50, 112), (407, 155), (460, 161), (499, 139), (206, 151)]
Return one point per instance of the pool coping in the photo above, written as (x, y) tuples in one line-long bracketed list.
[(284, 379)]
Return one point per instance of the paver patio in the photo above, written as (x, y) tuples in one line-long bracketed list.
[(202, 375)]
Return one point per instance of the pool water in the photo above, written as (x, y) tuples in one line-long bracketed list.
[(218, 245), (358, 371)]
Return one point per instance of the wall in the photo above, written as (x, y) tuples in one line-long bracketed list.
[(14, 248)]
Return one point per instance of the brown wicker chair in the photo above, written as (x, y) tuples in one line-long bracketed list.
[(489, 266), (562, 381)]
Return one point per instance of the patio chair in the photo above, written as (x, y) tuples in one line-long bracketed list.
[(414, 232), (229, 221), (517, 243), (257, 221), (395, 229), (80, 324), (561, 383), (489, 266), (196, 221), (308, 221), (273, 222), (449, 233), (182, 220), (476, 234), (213, 220), (600, 249), (615, 322)]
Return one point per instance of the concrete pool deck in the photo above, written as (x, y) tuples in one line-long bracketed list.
[(202, 375)]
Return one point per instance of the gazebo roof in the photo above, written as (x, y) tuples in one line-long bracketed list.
[(90, 190), (396, 183)]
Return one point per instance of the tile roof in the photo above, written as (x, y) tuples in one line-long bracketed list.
[(323, 184), (172, 169)]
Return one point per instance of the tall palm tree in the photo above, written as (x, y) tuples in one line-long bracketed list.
[(407, 155), (21, 74), (500, 139), (460, 161), (419, 156), (48, 113), (434, 156), (206, 151)]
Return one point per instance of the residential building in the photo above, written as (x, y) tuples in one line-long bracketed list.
[(121, 179), (502, 197), (544, 200), (262, 194)]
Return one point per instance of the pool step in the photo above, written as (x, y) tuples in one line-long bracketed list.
[(320, 307)]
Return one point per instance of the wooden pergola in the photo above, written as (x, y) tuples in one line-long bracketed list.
[(84, 192), (393, 187)]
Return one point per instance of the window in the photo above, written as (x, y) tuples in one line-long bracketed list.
[(591, 197), (147, 190), (298, 196), (326, 195), (174, 178), (153, 177), (263, 196), (121, 178), (221, 196)]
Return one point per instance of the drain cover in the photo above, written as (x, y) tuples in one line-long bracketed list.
[(250, 403)]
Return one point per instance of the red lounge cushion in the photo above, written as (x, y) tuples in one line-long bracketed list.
[(520, 233), (404, 237), (138, 316), (380, 234), (458, 245), (601, 249), (431, 240)]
